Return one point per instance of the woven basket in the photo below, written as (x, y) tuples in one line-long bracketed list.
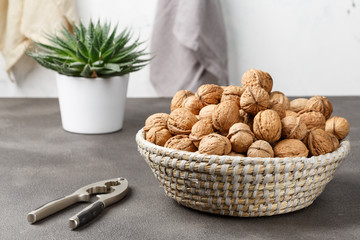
[(241, 186)]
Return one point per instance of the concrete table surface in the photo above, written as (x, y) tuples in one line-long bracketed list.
[(40, 162)]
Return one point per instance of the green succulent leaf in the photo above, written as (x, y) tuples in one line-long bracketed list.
[(82, 32), (79, 56), (92, 51), (86, 72), (112, 66), (82, 49), (77, 65), (98, 63), (94, 54), (109, 41), (77, 32), (89, 33), (105, 31)]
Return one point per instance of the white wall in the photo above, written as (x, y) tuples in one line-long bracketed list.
[(309, 47)]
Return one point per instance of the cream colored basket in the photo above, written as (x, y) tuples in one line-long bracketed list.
[(241, 186)]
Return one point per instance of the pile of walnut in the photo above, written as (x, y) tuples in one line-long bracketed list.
[(248, 121)]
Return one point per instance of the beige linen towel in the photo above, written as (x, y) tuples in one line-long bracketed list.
[(22, 20), (189, 46)]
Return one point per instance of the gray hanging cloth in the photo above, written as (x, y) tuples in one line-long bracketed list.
[(188, 45)]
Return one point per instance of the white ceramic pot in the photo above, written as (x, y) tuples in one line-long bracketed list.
[(92, 105)]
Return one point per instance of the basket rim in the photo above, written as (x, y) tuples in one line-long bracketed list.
[(342, 150)]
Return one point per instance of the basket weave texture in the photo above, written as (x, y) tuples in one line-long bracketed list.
[(241, 186)]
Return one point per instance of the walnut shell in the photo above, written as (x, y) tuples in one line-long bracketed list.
[(257, 78), (319, 104), (206, 112), (253, 100), (290, 113), (209, 94), (200, 130), (313, 120), (318, 142), (232, 93), (181, 121), (215, 144), (334, 141), (179, 97), (240, 137), (278, 97), (193, 104), (260, 148), (235, 154), (338, 126), (298, 104), (279, 108), (246, 118), (293, 127), (156, 120), (225, 115), (290, 148), (158, 135), (267, 126), (181, 142)]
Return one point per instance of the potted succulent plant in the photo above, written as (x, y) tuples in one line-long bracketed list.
[(93, 65)]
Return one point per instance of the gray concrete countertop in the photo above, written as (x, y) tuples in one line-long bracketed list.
[(39, 162)]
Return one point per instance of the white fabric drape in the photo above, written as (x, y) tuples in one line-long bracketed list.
[(22, 20)]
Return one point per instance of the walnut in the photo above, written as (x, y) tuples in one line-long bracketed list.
[(267, 126), (253, 100), (240, 137), (158, 135), (235, 154), (232, 93), (209, 94), (318, 142), (257, 78), (334, 141), (193, 104), (206, 112), (225, 115), (181, 121), (319, 104), (246, 118), (293, 127), (290, 148), (298, 104), (215, 144), (260, 148), (313, 120), (338, 126), (279, 108), (156, 120), (200, 130), (178, 99), (181, 142), (278, 97), (290, 113)]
